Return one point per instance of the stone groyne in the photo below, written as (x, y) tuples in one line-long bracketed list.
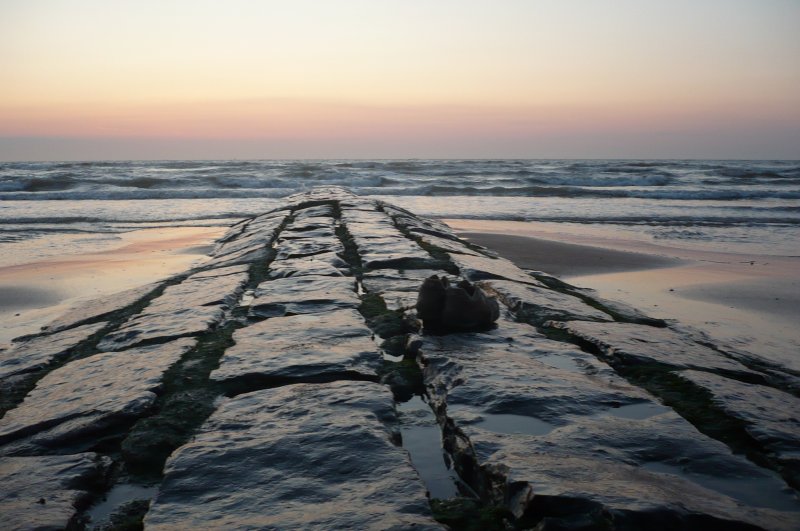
[(269, 388)]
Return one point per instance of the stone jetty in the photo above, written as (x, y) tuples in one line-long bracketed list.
[(264, 389)]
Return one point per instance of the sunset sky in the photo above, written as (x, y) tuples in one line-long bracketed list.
[(193, 79)]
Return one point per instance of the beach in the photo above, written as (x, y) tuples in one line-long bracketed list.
[(36, 292)]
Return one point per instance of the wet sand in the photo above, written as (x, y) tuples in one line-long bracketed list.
[(750, 302), (33, 294)]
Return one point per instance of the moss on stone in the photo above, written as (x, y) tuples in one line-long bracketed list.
[(466, 514), (128, 517)]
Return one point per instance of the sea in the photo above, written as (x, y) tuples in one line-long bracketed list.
[(749, 207)]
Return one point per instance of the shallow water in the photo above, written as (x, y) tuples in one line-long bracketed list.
[(736, 206), (422, 438)]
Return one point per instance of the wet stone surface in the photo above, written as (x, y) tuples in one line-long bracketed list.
[(550, 422), (634, 344), (300, 247), (221, 271), (476, 268), (772, 417), (538, 304), (447, 244), (530, 376), (99, 307), (419, 226), (307, 456), (44, 492), (309, 265), (248, 255), (302, 347), (36, 353), (74, 406), (191, 307), (303, 294)]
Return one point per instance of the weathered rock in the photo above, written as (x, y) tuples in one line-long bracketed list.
[(653, 473), (448, 245), (245, 256), (461, 306), (97, 308), (476, 268), (255, 235), (513, 370), (191, 307), (385, 280), (267, 218), (90, 396), (316, 456), (318, 211), (306, 232), (538, 304), (44, 492), (619, 310), (634, 344), (550, 431), (392, 252), (414, 224), (302, 347), (221, 271), (303, 294), (234, 231), (367, 219), (36, 353), (300, 247), (467, 307), (382, 227), (308, 265), (771, 417), (324, 194), (308, 224)]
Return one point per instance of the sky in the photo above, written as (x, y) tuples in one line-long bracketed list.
[(261, 79)]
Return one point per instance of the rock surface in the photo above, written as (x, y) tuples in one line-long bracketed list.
[(99, 307), (772, 417), (87, 397), (309, 456), (189, 308), (538, 304), (552, 423), (303, 294), (309, 265), (44, 492), (636, 344), (476, 268), (38, 352), (302, 347)]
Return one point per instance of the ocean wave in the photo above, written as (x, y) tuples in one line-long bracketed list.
[(678, 180), (147, 190)]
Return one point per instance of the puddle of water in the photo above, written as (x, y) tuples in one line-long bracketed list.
[(641, 411), (422, 438), (117, 496), (510, 423), (768, 491)]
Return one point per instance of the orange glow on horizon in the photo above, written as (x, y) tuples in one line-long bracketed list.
[(396, 70)]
